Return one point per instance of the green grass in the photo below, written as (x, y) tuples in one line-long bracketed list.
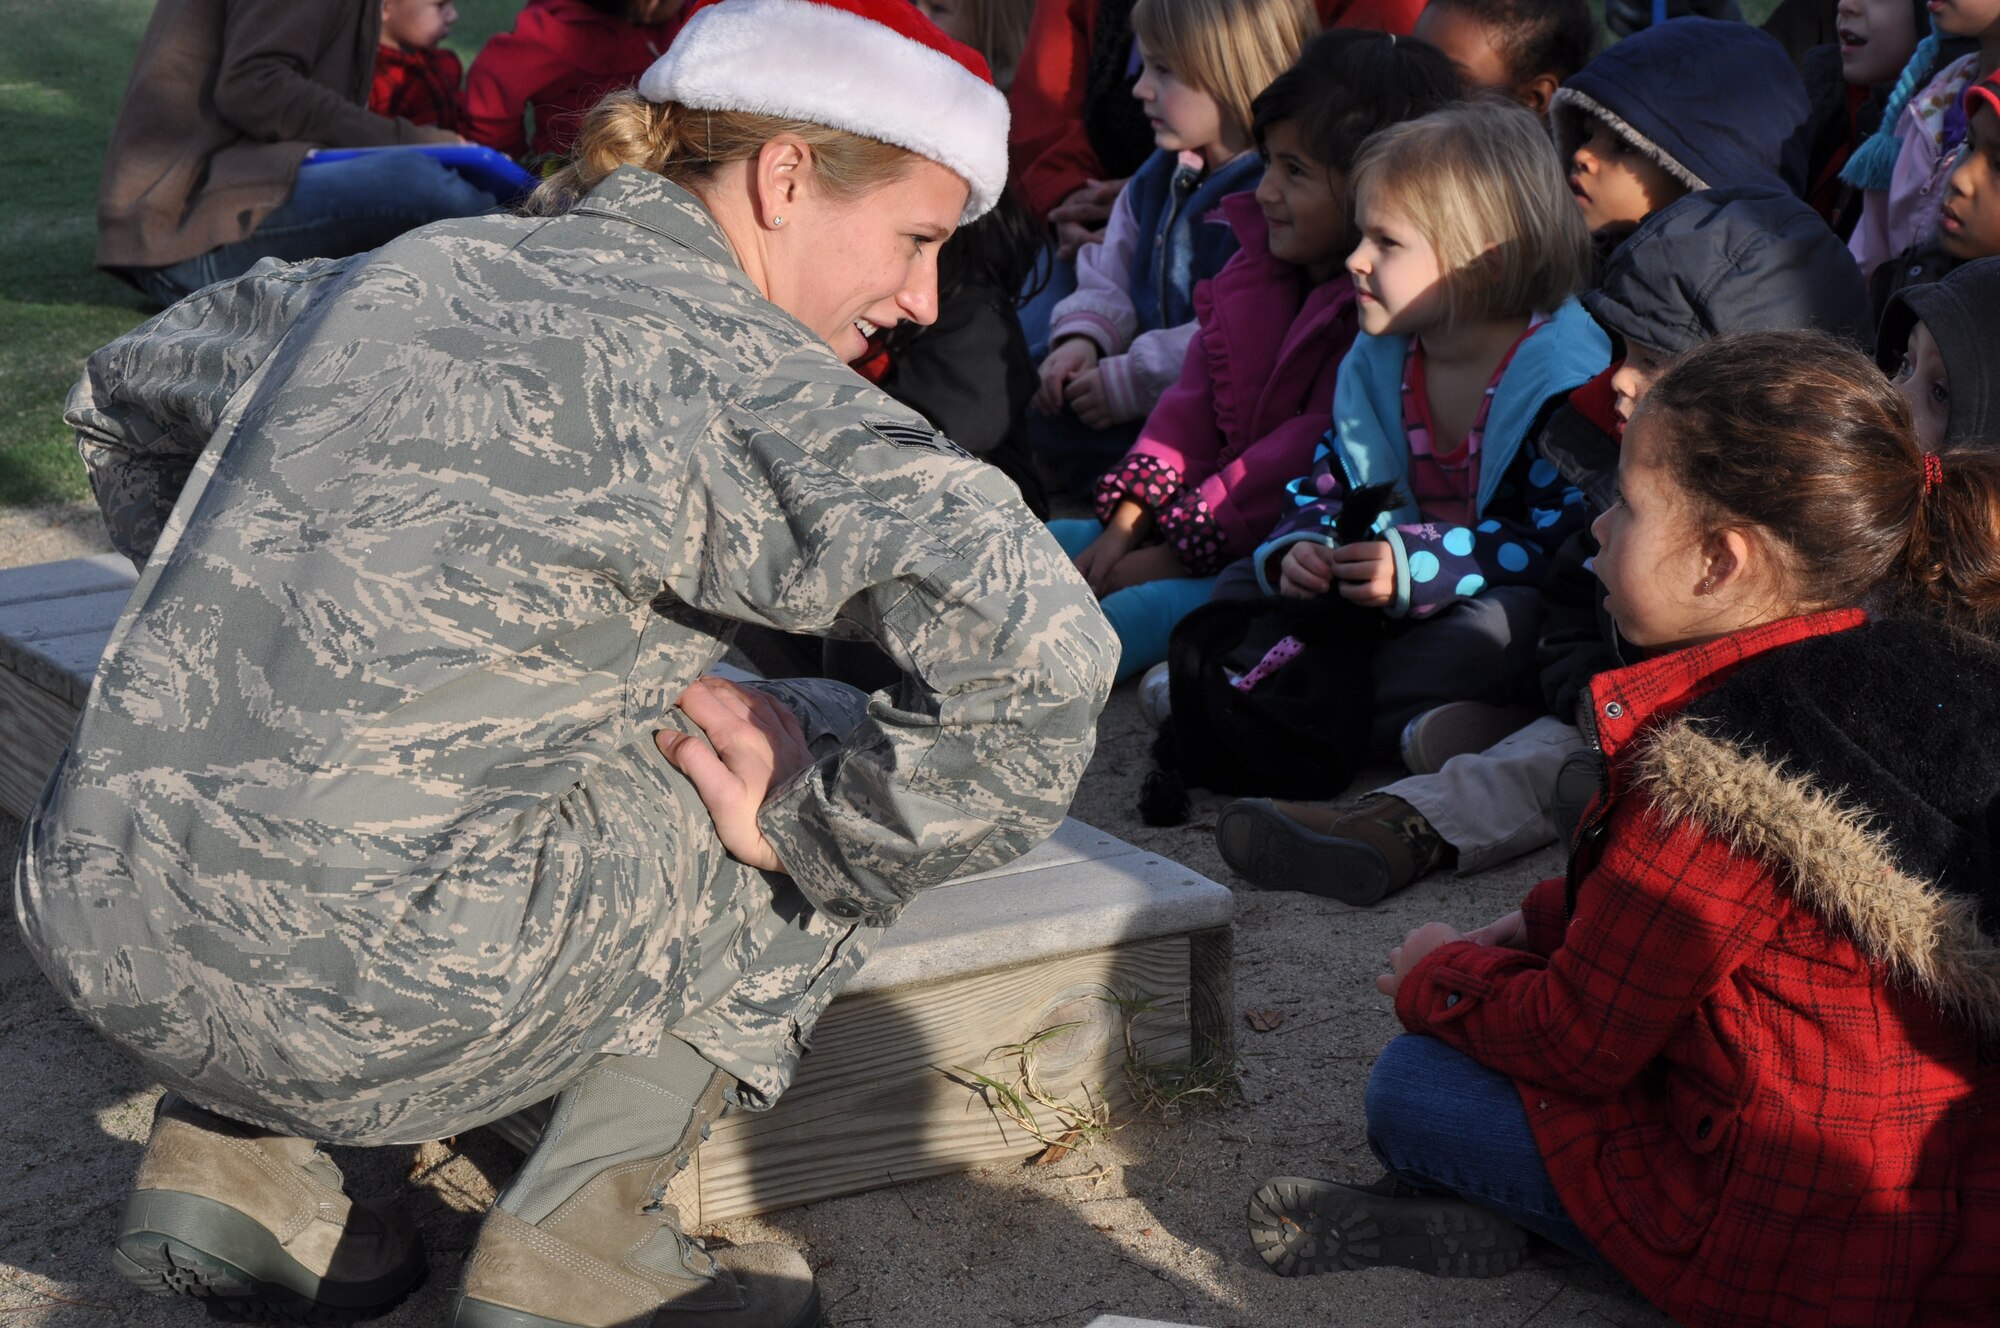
[(62, 69)]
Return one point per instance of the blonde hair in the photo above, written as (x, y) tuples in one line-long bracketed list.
[(1230, 49), (686, 145), (1482, 184), (998, 30)]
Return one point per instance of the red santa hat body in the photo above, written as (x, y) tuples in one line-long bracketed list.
[(877, 68)]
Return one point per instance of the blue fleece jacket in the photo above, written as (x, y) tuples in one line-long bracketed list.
[(1525, 507), (1716, 104)]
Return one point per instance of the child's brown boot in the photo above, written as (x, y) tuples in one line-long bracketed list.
[(1358, 855)]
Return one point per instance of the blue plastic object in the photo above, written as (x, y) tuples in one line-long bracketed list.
[(498, 175)]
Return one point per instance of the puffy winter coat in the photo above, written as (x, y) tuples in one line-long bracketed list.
[(1757, 1033)]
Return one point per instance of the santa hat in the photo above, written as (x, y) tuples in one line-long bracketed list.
[(877, 68)]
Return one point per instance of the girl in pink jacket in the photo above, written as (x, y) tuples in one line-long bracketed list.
[(1206, 479)]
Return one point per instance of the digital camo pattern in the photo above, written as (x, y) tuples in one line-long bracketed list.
[(363, 833)]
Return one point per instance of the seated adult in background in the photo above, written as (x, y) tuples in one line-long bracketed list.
[(201, 177)]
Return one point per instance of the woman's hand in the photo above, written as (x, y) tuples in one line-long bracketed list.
[(754, 745), (1070, 357), (1412, 951), (1306, 571), (1508, 932), (1087, 398), (1130, 522), (1366, 572), (1155, 562)]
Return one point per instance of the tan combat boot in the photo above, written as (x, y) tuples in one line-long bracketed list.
[(258, 1223), (612, 1255)]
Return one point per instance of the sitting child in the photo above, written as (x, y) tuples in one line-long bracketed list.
[(1465, 277), (1522, 49), (1849, 82), (1642, 124), (1968, 223), (1206, 478), (1719, 261), (560, 57), (1901, 168), (1936, 342), (1743, 1053), (415, 77), (1117, 343)]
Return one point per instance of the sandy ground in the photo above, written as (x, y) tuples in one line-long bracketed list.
[(1147, 1223)]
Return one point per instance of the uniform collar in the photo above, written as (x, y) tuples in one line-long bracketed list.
[(655, 203), (1623, 701)]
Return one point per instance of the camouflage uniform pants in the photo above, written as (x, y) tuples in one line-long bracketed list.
[(732, 961)]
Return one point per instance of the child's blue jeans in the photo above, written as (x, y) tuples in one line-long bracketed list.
[(1144, 615), (1442, 1121)]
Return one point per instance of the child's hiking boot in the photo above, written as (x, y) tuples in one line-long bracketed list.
[(1301, 1226), (257, 1224), (566, 1246), (1358, 855), (1457, 728)]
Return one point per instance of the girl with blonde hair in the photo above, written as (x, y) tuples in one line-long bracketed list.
[(1119, 341)]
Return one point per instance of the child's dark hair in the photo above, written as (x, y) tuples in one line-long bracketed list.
[(1346, 84), (1801, 435), (1535, 36)]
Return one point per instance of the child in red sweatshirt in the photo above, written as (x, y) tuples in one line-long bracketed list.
[(415, 77), (559, 59)]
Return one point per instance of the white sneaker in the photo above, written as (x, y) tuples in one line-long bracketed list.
[(1154, 703)]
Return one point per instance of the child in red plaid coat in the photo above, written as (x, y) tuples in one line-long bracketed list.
[(415, 77), (1748, 1051)]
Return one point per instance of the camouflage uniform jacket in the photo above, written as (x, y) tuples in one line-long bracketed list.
[(468, 514)]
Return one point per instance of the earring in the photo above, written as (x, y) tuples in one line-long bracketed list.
[(777, 221)]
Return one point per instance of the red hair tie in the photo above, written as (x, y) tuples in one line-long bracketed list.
[(1933, 473)]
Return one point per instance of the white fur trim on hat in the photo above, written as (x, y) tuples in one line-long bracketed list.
[(810, 61)]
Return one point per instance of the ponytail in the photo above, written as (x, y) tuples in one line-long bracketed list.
[(1874, 162), (1802, 437), (1951, 563), (686, 145)]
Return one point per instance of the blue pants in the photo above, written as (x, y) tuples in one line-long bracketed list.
[(1442, 1121), (337, 208), (1143, 616)]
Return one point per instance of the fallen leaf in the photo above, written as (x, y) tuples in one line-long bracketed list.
[(1056, 1151), (1263, 1021)]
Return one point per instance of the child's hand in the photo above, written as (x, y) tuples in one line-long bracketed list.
[(1411, 952), (1072, 236), (1069, 358), (1367, 573), (1307, 571), (1509, 932), (1156, 562), (1079, 219), (1101, 555), (1086, 397)]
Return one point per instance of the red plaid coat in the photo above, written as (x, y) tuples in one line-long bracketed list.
[(421, 86), (1761, 1055)]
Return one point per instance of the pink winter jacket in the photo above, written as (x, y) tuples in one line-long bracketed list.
[(1254, 396)]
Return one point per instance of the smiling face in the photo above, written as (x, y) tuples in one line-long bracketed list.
[(1877, 38), (1304, 203), (1921, 380), (871, 259), (1398, 283), (1614, 182), (1183, 117), (418, 24), (1969, 225)]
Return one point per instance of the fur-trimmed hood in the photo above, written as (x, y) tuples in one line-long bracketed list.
[(1657, 89), (1865, 764)]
